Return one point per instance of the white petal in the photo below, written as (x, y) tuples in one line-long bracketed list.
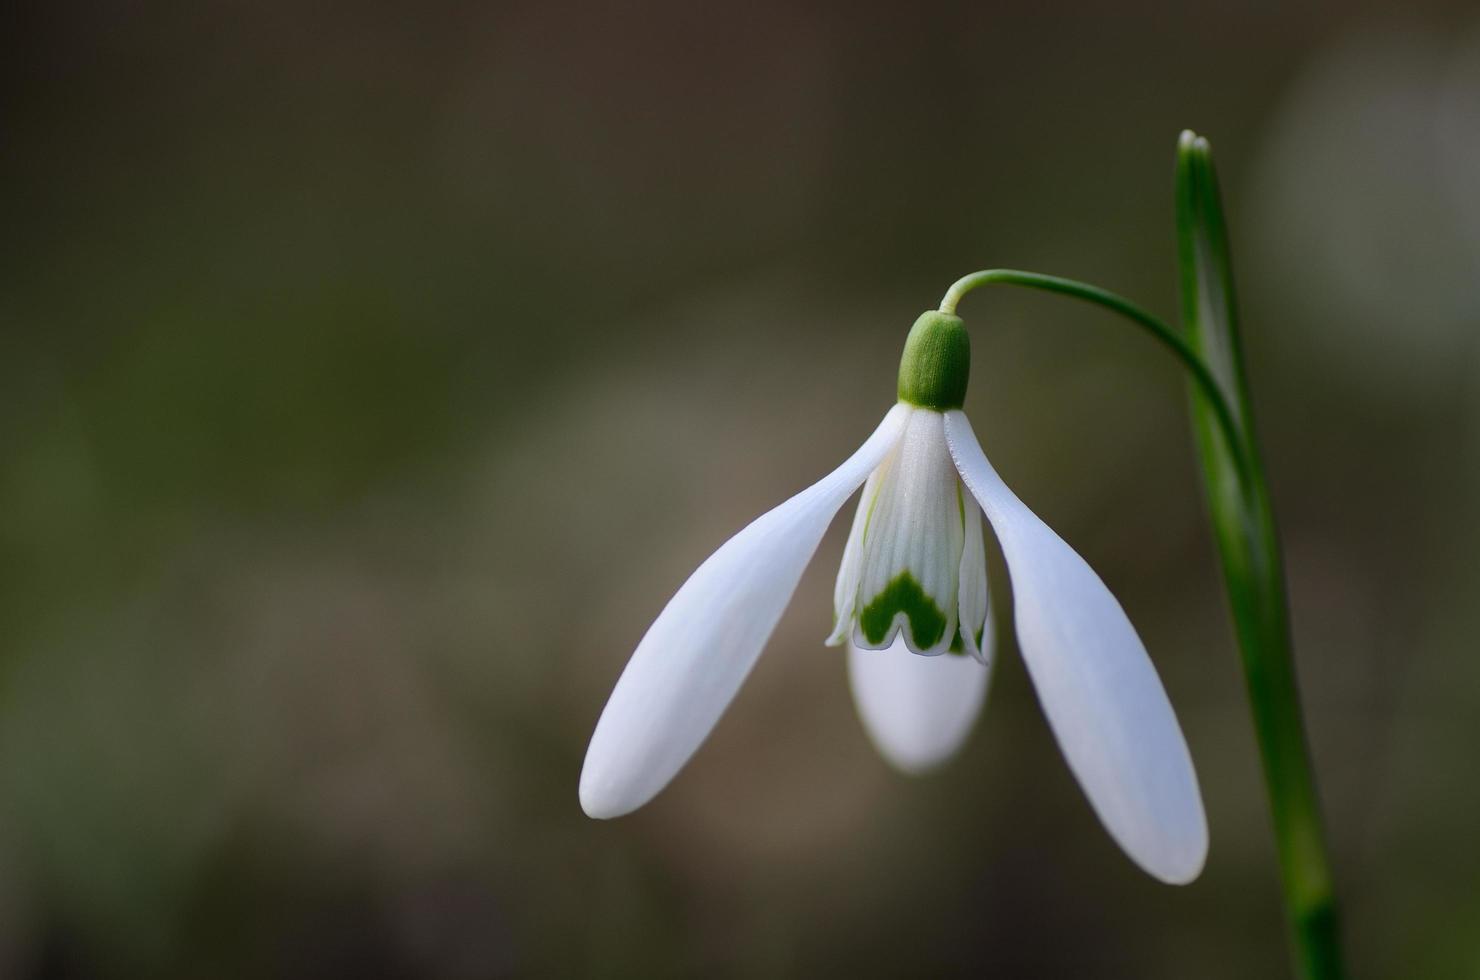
[(912, 549), (917, 710), (1097, 686), (976, 604), (845, 593), (704, 642)]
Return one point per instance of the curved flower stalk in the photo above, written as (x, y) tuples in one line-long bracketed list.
[(912, 604)]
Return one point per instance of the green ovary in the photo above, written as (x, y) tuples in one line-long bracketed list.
[(903, 594)]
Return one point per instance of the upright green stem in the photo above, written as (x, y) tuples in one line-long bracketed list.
[(1253, 572), (1244, 531)]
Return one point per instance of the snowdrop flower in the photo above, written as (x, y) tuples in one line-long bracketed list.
[(911, 603)]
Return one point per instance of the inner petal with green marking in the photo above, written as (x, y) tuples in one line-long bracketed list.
[(908, 555), (903, 597)]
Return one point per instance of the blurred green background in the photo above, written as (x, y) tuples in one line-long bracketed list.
[(371, 375)]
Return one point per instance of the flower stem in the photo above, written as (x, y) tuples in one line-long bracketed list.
[(1168, 337), (1244, 531), (1253, 572)]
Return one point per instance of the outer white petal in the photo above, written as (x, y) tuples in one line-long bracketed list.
[(1101, 694), (976, 604), (917, 710), (704, 642)]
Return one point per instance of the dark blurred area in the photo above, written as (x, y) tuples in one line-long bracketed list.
[(370, 376)]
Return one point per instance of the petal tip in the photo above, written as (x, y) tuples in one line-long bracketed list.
[(1176, 861), (917, 711), (914, 766), (1182, 871), (601, 801)]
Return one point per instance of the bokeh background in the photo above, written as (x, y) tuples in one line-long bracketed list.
[(370, 375)]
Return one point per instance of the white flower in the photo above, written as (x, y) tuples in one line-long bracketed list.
[(912, 604)]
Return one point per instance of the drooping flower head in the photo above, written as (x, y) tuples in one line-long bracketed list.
[(912, 605)]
